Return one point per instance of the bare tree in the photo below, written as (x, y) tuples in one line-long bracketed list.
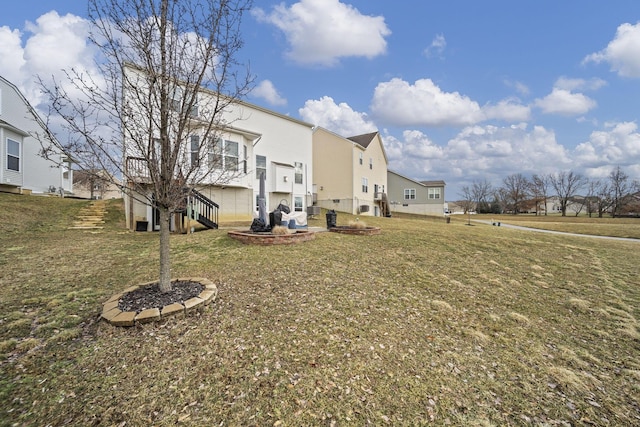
[(480, 191), (156, 57), (539, 187), (467, 202), (516, 188), (566, 186), (620, 188), (599, 194)]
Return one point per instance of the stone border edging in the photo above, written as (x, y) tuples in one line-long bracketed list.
[(267, 239), (113, 315)]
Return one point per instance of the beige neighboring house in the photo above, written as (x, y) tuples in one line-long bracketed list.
[(350, 174), (407, 195), (95, 185)]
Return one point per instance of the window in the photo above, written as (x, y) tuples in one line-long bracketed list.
[(297, 204), (409, 193), (365, 185), (13, 155), (195, 150), (370, 163), (298, 172), (361, 157), (434, 193), (176, 99), (261, 166), (224, 155)]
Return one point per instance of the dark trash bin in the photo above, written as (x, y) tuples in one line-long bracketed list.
[(331, 218), (448, 219)]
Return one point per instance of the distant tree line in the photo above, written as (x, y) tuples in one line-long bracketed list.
[(615, 195)]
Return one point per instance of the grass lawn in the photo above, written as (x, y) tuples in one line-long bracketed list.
[(426, 323)]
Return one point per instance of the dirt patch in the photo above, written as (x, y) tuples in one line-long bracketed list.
[(149, 296)]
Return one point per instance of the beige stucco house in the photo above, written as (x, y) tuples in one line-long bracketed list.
[(407, 195), (350, 174)]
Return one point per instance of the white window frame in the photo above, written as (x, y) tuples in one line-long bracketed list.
[(370, 163), (435, 193), (194, 146), (11, 155), (409, 193), (261, 166), (361, 158), (365, 185), (298, 204), (220, 152), (298, 176)]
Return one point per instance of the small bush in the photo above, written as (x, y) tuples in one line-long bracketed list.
[(357, 224), (279, 230)]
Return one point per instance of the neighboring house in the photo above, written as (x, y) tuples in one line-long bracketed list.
[(257, 140), (95, 185), (22, 168), (350, 174), (407, 195)]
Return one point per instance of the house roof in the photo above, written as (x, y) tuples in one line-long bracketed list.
[(439, 183), (363, 140), (436, 183)]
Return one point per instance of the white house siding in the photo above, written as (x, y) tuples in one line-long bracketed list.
[(284, 141), (18, 123)]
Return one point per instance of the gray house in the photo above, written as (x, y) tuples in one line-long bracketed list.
[(22, 168), (407, 195)]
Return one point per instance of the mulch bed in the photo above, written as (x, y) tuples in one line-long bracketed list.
[(149, 296)]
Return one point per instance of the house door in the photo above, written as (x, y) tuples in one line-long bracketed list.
[(376, 211)]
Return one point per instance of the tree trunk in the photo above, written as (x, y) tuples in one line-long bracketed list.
[(165, 259)]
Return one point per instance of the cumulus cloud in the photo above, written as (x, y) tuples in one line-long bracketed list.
[(51, 44), (11, 55), (267, 91), (423, 103), (622, 53), (617, 144), (338, 118), (477, 153), (437, 46), (566, 103), (320, 32)]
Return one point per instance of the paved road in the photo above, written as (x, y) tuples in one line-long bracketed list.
[(502, 224)]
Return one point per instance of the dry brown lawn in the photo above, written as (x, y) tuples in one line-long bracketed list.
[(427, 323)]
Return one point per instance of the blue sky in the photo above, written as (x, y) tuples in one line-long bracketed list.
[(460, 90)]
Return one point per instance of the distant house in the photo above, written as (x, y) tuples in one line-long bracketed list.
[(407, 195), (96, 185), (22, 168), (350, 174), (267, 142)]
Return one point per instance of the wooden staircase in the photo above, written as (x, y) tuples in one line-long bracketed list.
[(202, 209)]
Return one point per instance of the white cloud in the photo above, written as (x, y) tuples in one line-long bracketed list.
[(424, 104), (52, 43), (520, 87), (437, 46), (579, 84), (320, 32), (338, 118), (618, 144), (11, 55), (565, 102), (267, 91), (510, 110), (477, 153), (623, 52)]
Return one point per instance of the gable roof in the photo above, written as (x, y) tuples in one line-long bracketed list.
[(363, 140), (421, 183)]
